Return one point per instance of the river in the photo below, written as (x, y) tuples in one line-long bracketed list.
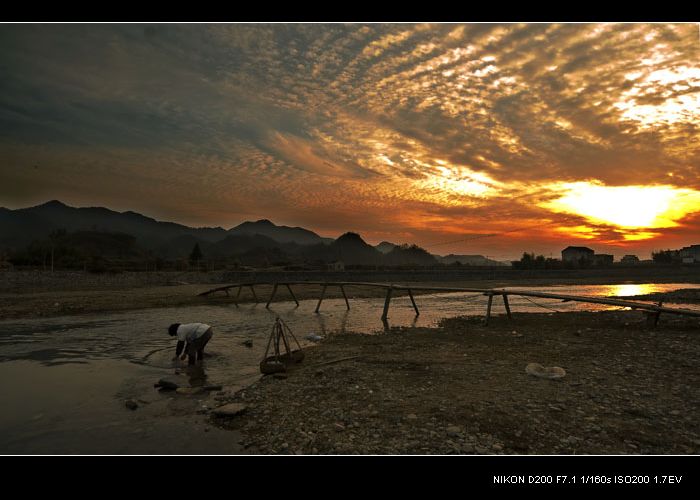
[(65, 379)]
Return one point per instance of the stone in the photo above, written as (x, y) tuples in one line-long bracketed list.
[(229, 410), (248, 343), (453, 431), (411, 416), (189, 390), (166, 385), (552, 372), (131, 404)]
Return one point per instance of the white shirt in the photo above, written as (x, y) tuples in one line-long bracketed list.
[(191, 331)]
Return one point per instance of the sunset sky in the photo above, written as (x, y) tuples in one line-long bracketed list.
[(496, 138)]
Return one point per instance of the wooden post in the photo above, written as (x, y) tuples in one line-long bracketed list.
[(292, 294), (386, 303), (413, 302), (252, 289), (385, 324), (488, 308), (239, 291), (272, 296), (653, 318), (345, 297), (323, 293), (505, 303)]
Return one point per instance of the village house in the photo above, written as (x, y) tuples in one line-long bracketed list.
[(338, 265), (690, 255), (603, 259), (576, 254), (630, 259)]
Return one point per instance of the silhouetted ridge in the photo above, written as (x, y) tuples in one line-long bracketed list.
[(281, 234)]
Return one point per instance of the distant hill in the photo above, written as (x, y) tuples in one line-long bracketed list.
[(237, 244), (180, 247), (353, 250), (80, 249), (470, 260), (95, 230), (385, 247), (20, 227), (282, 234), (409, 255)]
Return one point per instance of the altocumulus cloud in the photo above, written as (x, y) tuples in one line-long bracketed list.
[(420, 132)]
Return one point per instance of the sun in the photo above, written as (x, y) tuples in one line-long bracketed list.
[(627, 207)]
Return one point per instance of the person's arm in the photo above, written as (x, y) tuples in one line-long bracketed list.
[(179, 348)]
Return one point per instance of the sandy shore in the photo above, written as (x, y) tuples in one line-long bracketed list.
[(462, 388)]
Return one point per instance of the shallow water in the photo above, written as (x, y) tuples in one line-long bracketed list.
[(65, 379)]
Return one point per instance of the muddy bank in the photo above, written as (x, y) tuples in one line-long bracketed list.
[(462, 388)]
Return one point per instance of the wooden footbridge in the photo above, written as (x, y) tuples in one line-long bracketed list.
[(653, 311)]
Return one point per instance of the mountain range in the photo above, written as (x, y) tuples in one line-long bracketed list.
[(258, 242)]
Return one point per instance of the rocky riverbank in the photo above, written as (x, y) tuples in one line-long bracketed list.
[(462, 388)]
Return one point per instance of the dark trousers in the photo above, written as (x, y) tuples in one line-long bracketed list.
[(195, 349)]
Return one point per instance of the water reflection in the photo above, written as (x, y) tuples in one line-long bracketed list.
[(323, 321), (631, 290), (196, 374)]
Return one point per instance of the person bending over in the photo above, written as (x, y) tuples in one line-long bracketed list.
[(191, 340)]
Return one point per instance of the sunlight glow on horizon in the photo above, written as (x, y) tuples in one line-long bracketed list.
[(627, 207)]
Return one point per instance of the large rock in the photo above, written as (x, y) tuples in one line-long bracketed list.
[(229, 410)]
